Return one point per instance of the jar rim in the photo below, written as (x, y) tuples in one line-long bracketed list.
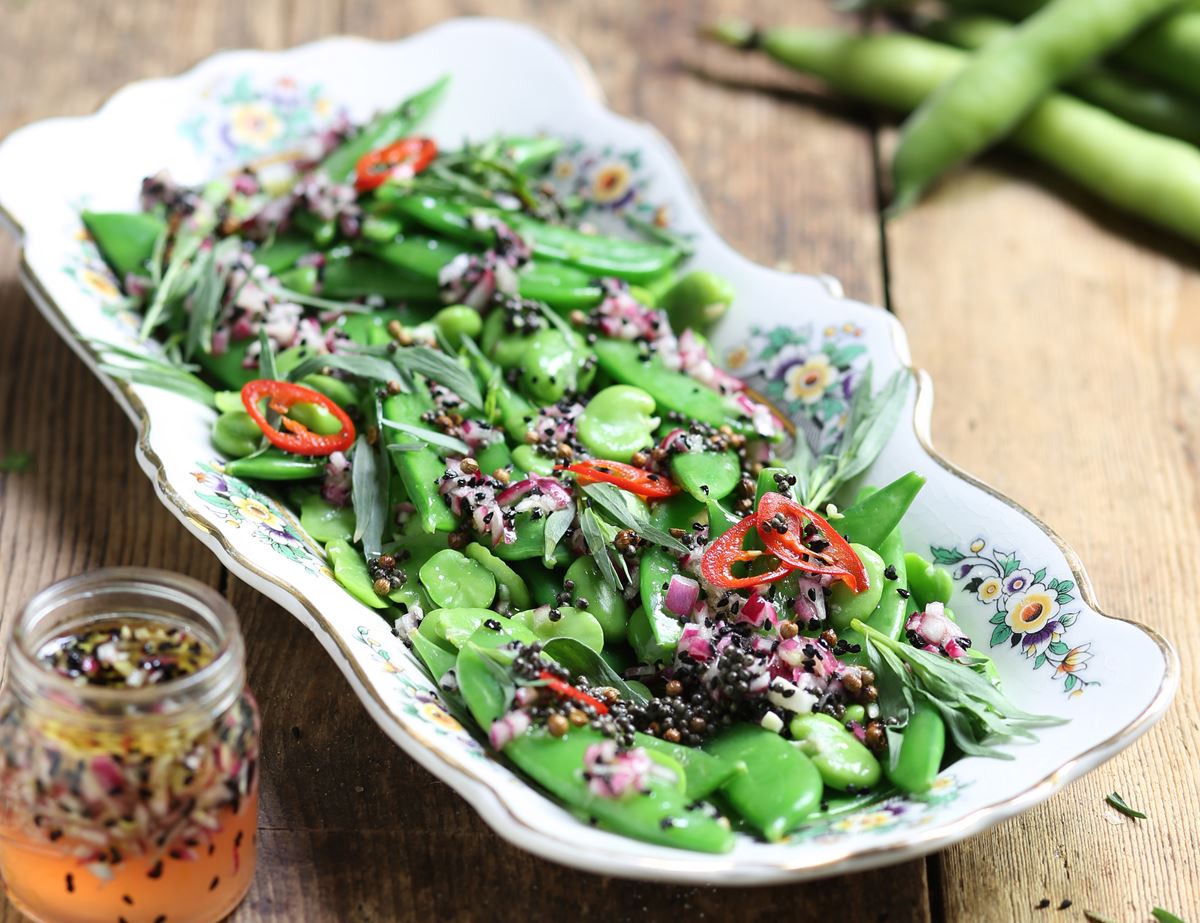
[(220, 679)]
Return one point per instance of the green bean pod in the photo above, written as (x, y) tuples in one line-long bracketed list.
[(987, 98), (126, 240), (420, 469), (877, 514), (923, 743), (273, 464), (1150, 175)]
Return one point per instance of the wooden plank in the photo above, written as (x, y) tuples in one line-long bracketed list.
[(1066, 342)]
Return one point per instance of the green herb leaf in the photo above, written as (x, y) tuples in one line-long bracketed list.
[(441, 368), (433, 437), (581, 660), (557, 525), (370, 502), (372, 368), (175, 283), (612, 499), (139, 368), (266, 356), (589, 526), (1165, 916), (1121, 805), (869, 424), (977, 714), (16, 462)]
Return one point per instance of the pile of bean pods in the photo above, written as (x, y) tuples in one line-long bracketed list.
[(1128, 134), (512, 439)]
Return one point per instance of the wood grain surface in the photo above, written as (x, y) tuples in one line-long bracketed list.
[(1066, 347)]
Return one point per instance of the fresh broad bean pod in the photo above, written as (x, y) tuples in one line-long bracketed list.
[(325, 521), (1149, 175), (780, 787), (350, 570), (553, 364), (1133, 98), (512, 591), (1167, 49), (1003, 81)]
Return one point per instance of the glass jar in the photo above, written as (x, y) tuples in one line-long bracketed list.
[(128, 753)]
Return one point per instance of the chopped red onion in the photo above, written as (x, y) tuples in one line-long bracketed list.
[(682, 594)]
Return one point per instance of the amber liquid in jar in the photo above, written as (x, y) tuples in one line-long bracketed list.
[(128, 754)]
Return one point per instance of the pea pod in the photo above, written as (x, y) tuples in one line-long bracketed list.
[(126, 240), (272, 464), (420, 469), (235, 434), (337, 390), (874, 517), (780, 787), (350, 570), (282, 252), (391, 126), (843, 762), (922, 745), (325, 521), (453, 628), (358, 276), (458, 321), (513, 410), (304, 280), (617, 422), (928, 582), (512, 589), (706, 475), (720, 520), (658, 631), (531, 154), (454, 581), (704, 772), (606, 604), (670, 389)]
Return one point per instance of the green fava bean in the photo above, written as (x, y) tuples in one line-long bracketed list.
[(697, 301), (454, 581), (605, 604), (706, 475), (525, 458), (928, 582), (340, 392), (570, 623), (617, 422), (350, 570), (845, 604), (704, 772), (453, 628), (316, 417), (843, 762), (236, 434), (227, 401), (922, 745), (511, 589), (780, 787), (325, 521), (551, 365), (458, 321)]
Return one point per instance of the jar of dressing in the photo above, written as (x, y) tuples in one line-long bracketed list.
[(129, 751)]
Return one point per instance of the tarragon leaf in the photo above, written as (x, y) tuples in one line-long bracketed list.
[(434, 437), (370, 502), (1122, 805), (612, 500), (445, 370), (558, 524), (372, 368)]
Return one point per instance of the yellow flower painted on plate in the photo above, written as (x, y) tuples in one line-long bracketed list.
[(830, 331), (942, 784), (254, 125), (439, 716), (1075, 660), (808, 382), (738, 357), (858, 823), (323, 106), (611, 183), (564, 169), (99, 283), (256, 511), (977, 546), (1030, 612), (990, 589)]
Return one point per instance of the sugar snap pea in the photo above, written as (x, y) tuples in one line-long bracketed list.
[(845, 604), (877, 514), (350, 570), (420, 468), (780, 786), (928, 582), (923, 743), (126, 240), (696, 301), (1096, 150), (843, 762), (271, 464), (606, 604)]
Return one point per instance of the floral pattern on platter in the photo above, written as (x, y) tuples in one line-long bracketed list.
[(243, 116), (809, 376), (417, 700), (1029, 609), (896, 812), (605, 186), (240, 506)]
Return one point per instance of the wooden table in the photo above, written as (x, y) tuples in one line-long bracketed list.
[(1065, 342)]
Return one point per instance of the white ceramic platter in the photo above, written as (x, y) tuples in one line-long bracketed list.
[(802, 343)]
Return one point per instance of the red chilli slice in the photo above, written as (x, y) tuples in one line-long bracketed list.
[(716, 566), (404, 158), (567, 691), (281, 396), (835, 559), (635, 480)]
